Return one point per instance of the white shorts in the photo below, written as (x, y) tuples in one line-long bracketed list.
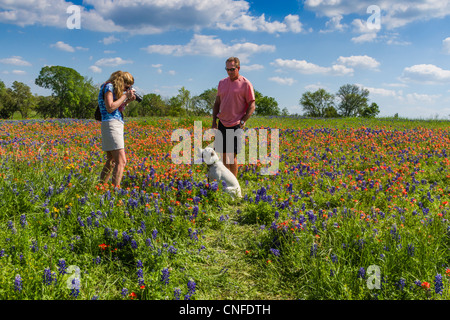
[(112, 135)]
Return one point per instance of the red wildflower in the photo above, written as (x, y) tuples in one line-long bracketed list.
[(133, 295), (425, 285)]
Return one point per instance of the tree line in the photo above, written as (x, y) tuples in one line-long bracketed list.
[(75, 96)]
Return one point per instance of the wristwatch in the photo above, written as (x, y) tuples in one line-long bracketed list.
[(242, 122)]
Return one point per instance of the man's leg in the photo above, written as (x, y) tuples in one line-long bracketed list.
[(230, 161)]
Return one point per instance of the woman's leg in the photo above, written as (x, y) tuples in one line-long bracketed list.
[(107, 168), (120, 161)]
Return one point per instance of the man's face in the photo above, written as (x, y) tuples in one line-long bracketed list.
[(232, 70)]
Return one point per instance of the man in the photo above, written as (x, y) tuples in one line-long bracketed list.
[(235, 103)]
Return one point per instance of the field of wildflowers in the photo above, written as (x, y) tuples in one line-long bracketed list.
[(351, 196)]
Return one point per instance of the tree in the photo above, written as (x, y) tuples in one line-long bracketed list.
[(266, 106), (184, 96), (46, 106), (76, 95), (353, 99), (21, 98), (370, 112), (284, 112), (6, 103), (153, 105), (319, 104), (203, 104)]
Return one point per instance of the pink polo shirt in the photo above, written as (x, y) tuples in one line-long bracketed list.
[(235, 98)]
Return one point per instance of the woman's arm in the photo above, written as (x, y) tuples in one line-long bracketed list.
[(113, 105)]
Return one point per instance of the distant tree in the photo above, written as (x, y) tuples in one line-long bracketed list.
[(21, 98), (6, 103), (76, 94), (184, 96), (175, 107), (153, 105), (46, 106), (284, 112), (370, 111), (266, 106), (319, 103), (353, 99), (203, 104)]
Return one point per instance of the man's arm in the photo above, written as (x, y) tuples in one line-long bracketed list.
[(215, 112), (251, 108)]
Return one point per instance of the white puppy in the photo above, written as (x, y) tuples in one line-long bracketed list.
[(217, 171)]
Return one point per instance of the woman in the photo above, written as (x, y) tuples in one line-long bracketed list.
[(114, 95)]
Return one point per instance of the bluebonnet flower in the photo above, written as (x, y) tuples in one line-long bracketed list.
[(411, 249), (47, 276), (334, 258), (75, 290), (177, 294), (140, 273), (124, 292), (401, 284), (18, 283), (125, 237), (361, 273), (80, 222), (165, 276), (134, 244), (438, 285), (11, 227), (97, 260), (154, 234), (191, 287), (313, 250), (139, 264), (23, 221), (275, 252), (62, 266), (172, 250)]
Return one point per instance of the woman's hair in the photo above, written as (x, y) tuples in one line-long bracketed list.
[(119, 80)]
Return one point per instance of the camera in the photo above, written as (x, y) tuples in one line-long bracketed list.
[(137, 95)]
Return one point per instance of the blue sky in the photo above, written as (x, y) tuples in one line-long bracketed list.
[(286, 47)]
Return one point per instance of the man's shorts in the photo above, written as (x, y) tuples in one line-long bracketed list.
[(230, 144)]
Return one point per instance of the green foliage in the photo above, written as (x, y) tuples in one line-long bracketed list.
[(266, 106), (318, 104), (76, 95)]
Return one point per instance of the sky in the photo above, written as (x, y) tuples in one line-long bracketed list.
[(398, 50)]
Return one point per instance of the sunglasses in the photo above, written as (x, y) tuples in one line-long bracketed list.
[(231, 69)]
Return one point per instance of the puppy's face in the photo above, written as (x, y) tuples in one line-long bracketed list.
[(209, 155)]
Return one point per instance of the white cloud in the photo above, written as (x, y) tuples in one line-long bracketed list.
[(15, 60), (253, 67), (421, 98), (334, 24), (63, 46), (283, 81), (95, 69), (446, 45), (426, 73), (112, 62), (291, 23), (18, 72), (365, 62), (394, 14), (146, 16), (210, 46), (305, 67), (109, 40)]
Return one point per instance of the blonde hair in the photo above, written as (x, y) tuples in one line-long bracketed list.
[(119, 80), (235, 60)]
